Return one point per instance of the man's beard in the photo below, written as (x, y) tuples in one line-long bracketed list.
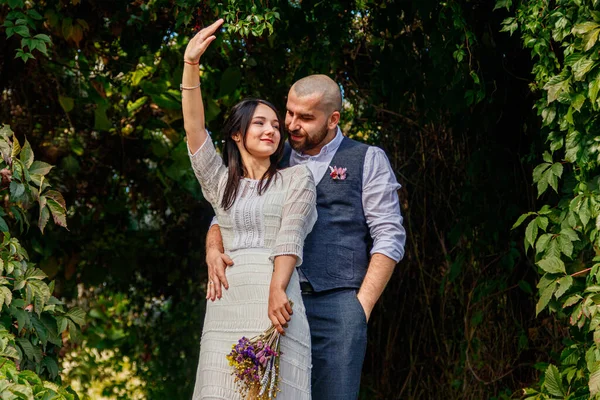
[(309, 142)]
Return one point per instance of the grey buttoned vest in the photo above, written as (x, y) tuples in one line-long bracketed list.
[(336, 252)]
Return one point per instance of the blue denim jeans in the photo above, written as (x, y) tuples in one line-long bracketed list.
[(338, 328)]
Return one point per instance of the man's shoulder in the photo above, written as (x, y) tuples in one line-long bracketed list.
[(354, 145), (353, 148), (370, 148), (375, 158)]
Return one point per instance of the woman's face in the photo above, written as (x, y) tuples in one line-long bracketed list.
[(263, 135)]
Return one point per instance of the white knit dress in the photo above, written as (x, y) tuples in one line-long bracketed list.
[(255, 230)]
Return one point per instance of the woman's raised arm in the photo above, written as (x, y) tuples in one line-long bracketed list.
[(191, 99)]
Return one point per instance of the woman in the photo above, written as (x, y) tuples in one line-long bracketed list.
[(264, 216)]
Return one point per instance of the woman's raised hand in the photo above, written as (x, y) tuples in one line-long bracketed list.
[(199, 43), (191, 103)]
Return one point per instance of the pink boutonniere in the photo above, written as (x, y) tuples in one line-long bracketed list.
[(337, 172)]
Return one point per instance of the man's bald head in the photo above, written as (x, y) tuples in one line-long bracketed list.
[(322, 86)]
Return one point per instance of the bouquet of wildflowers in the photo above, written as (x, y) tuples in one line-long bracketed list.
[(256, 365)]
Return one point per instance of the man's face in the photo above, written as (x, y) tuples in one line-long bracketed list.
[(306, 123)]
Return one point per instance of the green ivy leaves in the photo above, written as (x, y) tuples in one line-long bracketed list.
[(565, 232), (546, 174), (27, 182), (589, 32), (33, 321), (22, 23), (556, 86), (553, 381), (552, 265), (246, 19), (18, 384)]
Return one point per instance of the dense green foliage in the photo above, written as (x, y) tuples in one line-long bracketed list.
[(564, 233), (94, 87), (33, 323)]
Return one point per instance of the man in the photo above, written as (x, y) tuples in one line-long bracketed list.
[(358, 208)]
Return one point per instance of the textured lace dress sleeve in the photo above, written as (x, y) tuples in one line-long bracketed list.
[(209, 169), (298, 216)]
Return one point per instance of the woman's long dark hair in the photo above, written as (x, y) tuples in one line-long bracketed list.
[(238, 122)]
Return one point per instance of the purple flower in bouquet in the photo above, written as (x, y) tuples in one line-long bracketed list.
[(255, 365)]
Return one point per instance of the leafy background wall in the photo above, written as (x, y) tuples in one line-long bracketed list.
[(486, 110)]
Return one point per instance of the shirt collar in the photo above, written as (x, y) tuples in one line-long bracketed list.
[(330, 147)]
